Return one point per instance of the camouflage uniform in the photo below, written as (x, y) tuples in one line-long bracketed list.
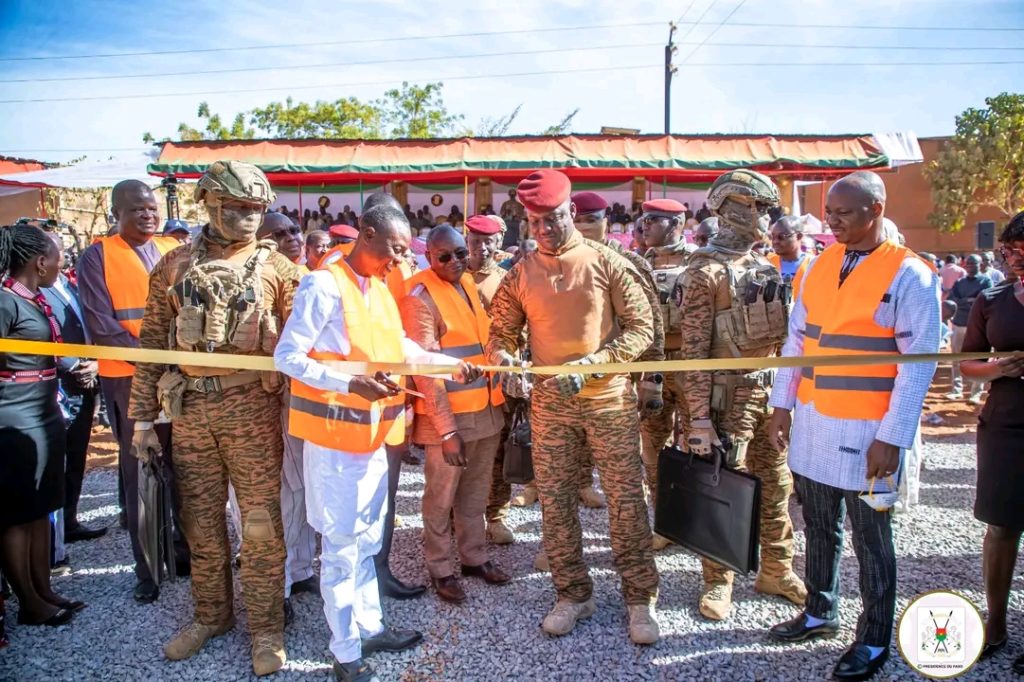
[(229, 427), (665, 263), (605, 302), (717, 321)]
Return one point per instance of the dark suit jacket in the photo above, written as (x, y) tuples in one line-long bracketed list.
[(72, 329)]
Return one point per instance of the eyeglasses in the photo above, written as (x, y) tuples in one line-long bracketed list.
[(461, 254), (1015, 251)]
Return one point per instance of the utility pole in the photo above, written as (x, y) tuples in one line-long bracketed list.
[(670, 49)]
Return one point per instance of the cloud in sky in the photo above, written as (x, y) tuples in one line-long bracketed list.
[(707, 96)]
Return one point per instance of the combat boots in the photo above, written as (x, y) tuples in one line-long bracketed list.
[(789, 586), (268, 654), (189, 641), (527, 497), (541, 563), (563, 617), (499, 533), (590, 498), (716, 600), (659, 542), (643, 628)]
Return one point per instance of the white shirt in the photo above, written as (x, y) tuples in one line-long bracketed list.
[(833, 451), (994, 274), (317, 323)]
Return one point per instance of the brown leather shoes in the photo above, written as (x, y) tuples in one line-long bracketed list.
[(491, 574), (449, 589)]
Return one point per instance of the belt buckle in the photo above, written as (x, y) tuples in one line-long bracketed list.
[(206, 384)]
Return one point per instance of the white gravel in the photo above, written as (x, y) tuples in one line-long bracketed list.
[(496, 634)]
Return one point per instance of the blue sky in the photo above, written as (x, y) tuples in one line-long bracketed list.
[(760, 92)]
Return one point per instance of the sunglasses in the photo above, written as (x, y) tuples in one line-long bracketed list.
[(461, 254)]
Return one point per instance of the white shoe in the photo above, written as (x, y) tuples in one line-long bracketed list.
[(955, 395), (562, 619), (643, 627)]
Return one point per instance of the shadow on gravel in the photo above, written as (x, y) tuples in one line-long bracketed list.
[(949, 476)]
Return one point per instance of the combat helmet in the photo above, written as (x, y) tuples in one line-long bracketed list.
[(744, 185), (234, 180)]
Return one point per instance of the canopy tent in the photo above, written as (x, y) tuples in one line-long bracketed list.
[(90, 173), (590, 158)]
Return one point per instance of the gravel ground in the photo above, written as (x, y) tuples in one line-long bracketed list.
[(496, 635)]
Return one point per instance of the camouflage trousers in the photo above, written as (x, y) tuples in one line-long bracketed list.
[(562, 428), (745, 423), (235, 436), (656, 431)]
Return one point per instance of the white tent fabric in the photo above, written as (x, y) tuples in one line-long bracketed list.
[(901, 148), (91, 173)]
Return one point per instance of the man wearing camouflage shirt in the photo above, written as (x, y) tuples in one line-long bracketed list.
[(228, 293), (733, 304), (583, 307)]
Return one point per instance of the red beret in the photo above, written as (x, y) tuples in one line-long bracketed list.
[(543, 190), (345, 231), (481, 224), (589, 202), (669, 207)]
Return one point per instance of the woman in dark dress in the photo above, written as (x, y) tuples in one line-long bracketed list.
[(32, 436), (997, 322)]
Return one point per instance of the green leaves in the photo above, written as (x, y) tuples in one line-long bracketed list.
[(982, 165)]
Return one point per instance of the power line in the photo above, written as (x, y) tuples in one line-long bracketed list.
[(364, 41), (290, 67), (694, 24), (152, 95), (728, 64), (714, 31), (685, 11)]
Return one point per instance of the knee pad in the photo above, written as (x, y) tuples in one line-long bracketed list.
[(258, 526)]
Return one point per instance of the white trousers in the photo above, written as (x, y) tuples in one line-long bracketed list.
[(299, 536), (346, 501)]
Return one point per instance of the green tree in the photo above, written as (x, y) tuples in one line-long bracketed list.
[(982, 165), (563, 126), (345, 118), (417, 111)]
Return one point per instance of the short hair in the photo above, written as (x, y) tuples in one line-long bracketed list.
[(317, 233), (973, 258), (381, 217), (382, 199), (1014, 230), (441, 232), (951, 259), (868, 182), (792, 223), (123, 189)]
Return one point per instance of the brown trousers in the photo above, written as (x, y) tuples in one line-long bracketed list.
[(461, 493)]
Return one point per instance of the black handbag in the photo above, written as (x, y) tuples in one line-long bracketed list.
[(518, 466), (708, 508), (156, 527)]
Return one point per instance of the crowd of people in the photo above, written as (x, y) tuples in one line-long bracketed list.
[(308, 457)]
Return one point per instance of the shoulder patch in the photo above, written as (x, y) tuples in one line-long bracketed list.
[(677, 293)]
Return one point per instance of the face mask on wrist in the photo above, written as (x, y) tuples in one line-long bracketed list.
[(881, 502)]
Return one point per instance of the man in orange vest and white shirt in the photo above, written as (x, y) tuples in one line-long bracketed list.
[(459, 425), (791, 263), (113, 282), (863, 296), (343, 311)]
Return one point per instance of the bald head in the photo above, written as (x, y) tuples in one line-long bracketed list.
[(444, 235), (284, 232), (382, 199), (447, 253), (272, 222), (125, 189), (864, 183)]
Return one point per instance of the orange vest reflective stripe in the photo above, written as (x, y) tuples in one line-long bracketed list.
[(127, 283), (465, 338), (347, 421), (840, 321), (798, 277), (396, 279)]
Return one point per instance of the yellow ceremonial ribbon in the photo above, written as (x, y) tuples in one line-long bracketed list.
[(264, 363)]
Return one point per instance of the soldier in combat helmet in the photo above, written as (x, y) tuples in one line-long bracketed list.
[(732, 304), (226, 292)]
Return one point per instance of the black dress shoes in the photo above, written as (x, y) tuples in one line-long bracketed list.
[(60, 618), (390, 586), (354, 671), (310, 584), (391, 639), (797, 629), (491, 574), (857, 664), (146, 592), (992, 648), (78, 533), (289, 612)]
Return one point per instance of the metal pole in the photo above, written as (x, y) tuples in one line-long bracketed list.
[(669, 69)]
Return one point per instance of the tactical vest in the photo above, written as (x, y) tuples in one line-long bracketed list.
[(668, 267), (346, 421), (127, 283), (841, 321), (757, 319), (222, 304), (465, 338), (798, 277)]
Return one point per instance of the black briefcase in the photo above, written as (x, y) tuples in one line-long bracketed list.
[(518, 466), (707, 508)]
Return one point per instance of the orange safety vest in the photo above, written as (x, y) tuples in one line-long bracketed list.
[(127, 283), (396, 279), (465, 338), (347, 421), (840, 321), (798, 278)]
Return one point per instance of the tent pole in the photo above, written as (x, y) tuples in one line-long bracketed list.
[(298, 186), (360, 195), (465, 201), (664, 187), (822, 192)]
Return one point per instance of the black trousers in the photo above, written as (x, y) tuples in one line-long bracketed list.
[(825, 508), (116, 392), (79, 432)]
